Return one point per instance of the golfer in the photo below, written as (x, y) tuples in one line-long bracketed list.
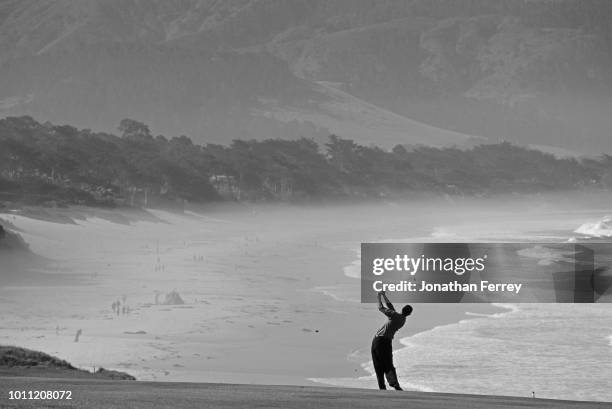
[(382, 350)]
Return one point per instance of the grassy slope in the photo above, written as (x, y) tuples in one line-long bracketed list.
[(16, 361), (87, 393)]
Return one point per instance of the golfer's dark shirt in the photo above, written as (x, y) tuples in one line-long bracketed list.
[(395, 322)]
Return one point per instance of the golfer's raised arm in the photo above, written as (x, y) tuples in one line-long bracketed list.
[(379, 298), (385, 310), (389, 305)]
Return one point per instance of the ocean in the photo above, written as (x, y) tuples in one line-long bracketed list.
[(559, 351)]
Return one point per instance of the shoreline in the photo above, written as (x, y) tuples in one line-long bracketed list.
[(442, 315), (258, 307), (459, 314)]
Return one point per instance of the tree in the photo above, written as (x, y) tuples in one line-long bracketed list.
[(341, 153), (134, 130)]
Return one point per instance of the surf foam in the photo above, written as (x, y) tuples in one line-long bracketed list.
[(602, 228)]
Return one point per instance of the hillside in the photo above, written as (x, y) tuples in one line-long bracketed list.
[(15, 361), (17, 259), (534, 72), (10, 242)]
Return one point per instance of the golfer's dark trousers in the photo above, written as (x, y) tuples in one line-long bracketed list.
[(382, 356)]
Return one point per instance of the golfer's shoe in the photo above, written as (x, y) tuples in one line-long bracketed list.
[(392, 378)]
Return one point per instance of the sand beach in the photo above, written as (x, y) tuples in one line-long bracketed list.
[(267, 292)]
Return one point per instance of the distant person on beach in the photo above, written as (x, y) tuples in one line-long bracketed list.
[(382, 349), (78, 335)]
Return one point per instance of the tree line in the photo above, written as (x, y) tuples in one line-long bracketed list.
[(60, 164)]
